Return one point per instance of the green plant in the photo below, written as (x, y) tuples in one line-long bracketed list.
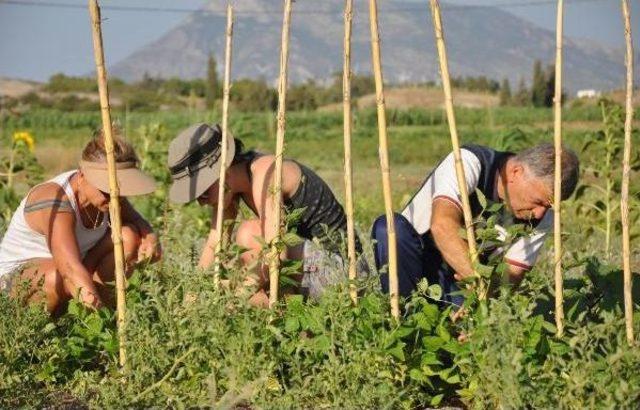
[(20, 162)]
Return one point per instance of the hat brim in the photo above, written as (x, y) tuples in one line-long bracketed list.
[(190, 187), (131, 181)]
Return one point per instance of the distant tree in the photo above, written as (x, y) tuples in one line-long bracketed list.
[(149, 83), (213, 84), (362, 85), (304, 97), (505, 92), (550, 89), (253, 95), (538, 85), (523, 95), (63, 83)]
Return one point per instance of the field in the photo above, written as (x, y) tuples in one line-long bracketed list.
[(192, 346)]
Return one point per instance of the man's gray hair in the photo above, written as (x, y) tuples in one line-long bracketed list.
[(540, 161)]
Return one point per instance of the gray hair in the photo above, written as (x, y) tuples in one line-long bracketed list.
[(540, 161)]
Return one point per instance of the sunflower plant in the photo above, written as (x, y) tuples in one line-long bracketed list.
[(18, 162)]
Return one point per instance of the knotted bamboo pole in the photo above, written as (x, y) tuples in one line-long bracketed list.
[(384, 159), (557, 183), (626, 171), (276, 191), (114, 191), (225, 132), (453, 131), (348, 180)]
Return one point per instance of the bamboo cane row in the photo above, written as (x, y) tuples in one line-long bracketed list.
[(223, 147), (626, 171), (383, 153), (114, 191), (557, 182)]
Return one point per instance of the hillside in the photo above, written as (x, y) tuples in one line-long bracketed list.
[(481, 41)]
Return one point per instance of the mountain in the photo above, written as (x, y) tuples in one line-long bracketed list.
[(480, 41)]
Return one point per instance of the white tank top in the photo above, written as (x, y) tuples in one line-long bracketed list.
[(21, 243)]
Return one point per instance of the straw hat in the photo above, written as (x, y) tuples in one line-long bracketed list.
[(194, 161), (131, 181)]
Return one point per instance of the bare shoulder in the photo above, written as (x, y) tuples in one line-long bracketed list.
[(45, 202), (264, 165), (46, 192)]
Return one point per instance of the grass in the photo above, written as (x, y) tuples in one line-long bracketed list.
[(192, 346)]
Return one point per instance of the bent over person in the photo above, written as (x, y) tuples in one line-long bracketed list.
[(194, 162), (58, 244), (428, 241)]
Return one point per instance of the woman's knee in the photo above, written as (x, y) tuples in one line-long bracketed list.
[(56, 293), (130, 240), (45, 283)]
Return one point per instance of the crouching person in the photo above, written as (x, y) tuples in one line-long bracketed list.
[(58, 245), (194, 162), (428, 241)]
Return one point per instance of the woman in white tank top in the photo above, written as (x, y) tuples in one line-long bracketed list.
[(58, 244)]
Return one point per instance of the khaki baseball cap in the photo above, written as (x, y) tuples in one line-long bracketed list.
[(194, 161), (131, 181)]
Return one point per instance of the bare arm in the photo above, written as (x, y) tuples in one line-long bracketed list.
[(48, 213), (149, 245), (209, 250), (263, 188), (68, 260), (446, 221)]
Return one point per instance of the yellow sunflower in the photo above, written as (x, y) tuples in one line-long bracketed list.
[(24, 137)]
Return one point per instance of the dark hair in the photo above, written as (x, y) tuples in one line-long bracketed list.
[(241, 155), (540, 160)]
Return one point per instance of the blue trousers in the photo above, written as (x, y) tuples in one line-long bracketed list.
[(418, 258)]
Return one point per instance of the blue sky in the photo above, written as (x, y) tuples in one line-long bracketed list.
[(37, 41)]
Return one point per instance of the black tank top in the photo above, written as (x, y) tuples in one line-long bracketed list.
[(322, 216)]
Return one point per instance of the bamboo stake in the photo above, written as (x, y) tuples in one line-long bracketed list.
[(453, 131), (348, 169), (223, 147), (276, 192), (557, 183), (114, 202), (384, 159), (626, 170)]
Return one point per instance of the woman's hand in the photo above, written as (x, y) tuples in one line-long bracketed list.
[(150, 248), (89, 298)]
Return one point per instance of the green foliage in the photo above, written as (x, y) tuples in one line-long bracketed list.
[(538, 85), (598, 196), (18, 166), (191, 345), (213, 87), (513, 360), (480, 83), (505, 92), (62, 83), (253, 95)]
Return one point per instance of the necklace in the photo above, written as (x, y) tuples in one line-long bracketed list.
[(92, 220)]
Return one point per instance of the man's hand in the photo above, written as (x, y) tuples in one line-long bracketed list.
[(462, 276)]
